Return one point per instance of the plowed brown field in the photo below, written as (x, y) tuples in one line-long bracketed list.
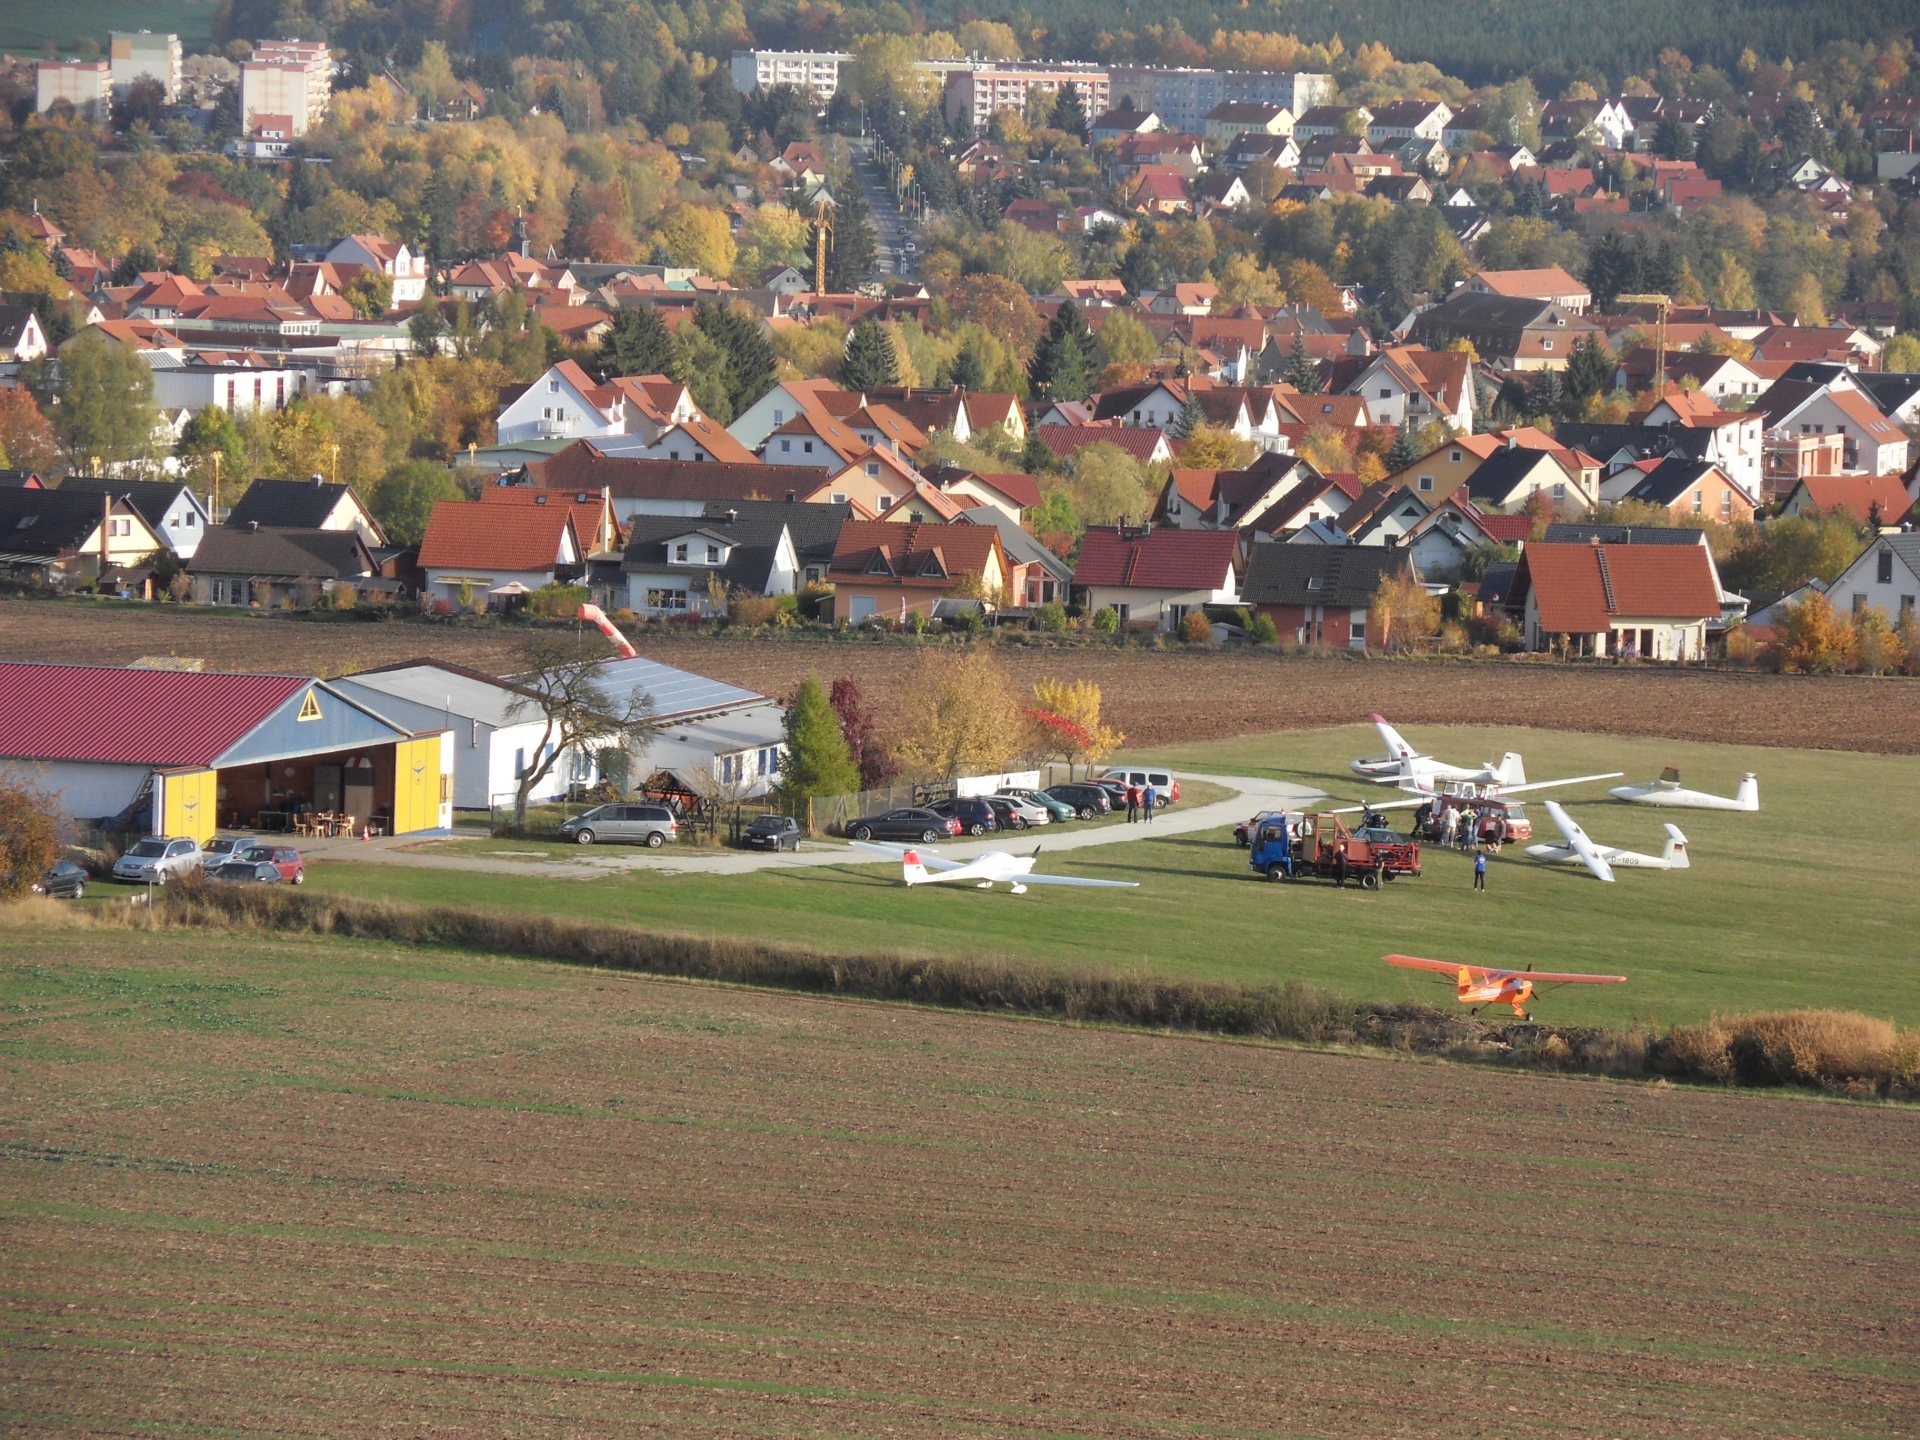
[(1155, 697), (319, 1189)]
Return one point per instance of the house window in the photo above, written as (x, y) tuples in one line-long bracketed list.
[(809, 447), (1359, 627), (786, 447), (1453, 457), (1859, 602), (1546, 344), (1885, 562), (838, 497), (873, 468), (673, 600), (1699, 501), (713, 554), (1386, 393), (1559, 492), (779, 417), (1123, 611), (680, 551), (1726, 502), (553, 387), (1426, 482), (1906, 603), (673, 454)]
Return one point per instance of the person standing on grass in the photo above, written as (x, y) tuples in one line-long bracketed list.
[(1147, 797), (1480, 870), (1340, 867), (1133, 803)]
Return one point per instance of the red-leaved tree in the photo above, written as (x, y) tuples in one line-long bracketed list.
[(876, 764)]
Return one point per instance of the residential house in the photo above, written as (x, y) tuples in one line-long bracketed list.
[(1396, 122), (1153, 404), (313, 504), (267, 568), (1230, 119), (1118, 124), (1720, 378), (1441, 542), (676, 565), (1688, 490), (594, 521), (1229, 499), (1321, 120), (886, 572), (667, 487), (1551, 284), (1152, 575), (63, 538), (1405, 382), (1036, 576), (1872, 444), (786, 399), (170, 509), (1733, 606), (1878, 500), (1160, 190), (21, 338), (1445, 468), (1652, 602), (1512, 332), (1884, 577), (1320, 594), (814, 437), (392, 258), (1009, 492), (1150, 446), (1510, 476), (476, 555)]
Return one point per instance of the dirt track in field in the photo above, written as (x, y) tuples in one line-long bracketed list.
[(1155, 697), (315, 1189)]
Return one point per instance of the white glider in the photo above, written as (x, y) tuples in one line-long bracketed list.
[(1580, 849), (1667, 791), (1402, 763), (920, 865)]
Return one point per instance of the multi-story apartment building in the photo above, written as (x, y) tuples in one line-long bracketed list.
[(293, 78), (1182, 96), (976, 91), (817, 71), (140, 54), (83, 84)]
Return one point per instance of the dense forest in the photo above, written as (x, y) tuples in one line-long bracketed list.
[(1479, 41)]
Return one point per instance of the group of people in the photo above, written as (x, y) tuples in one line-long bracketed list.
[(1141, 798), (1459, 829)]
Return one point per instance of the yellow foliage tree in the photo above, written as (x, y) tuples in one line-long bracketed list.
[(1402, 612), (697, 235), (1817, 640), (1084, 738), (959, 714), (1325, 450), (1213, 447)]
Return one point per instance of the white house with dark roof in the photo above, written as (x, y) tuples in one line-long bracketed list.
[(1885, 577)]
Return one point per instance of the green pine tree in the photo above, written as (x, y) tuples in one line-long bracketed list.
[(850, 257), (1190, 418), (1062, 364), (1589, 371), (638, 344), (1303, 371), (969, 368), (817, 764), (1406, 447), (870, 360)]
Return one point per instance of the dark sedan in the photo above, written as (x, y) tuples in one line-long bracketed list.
[(976, 816), (773, 832), (1087, 800), (65, 881), (910, 822), (247, 872)]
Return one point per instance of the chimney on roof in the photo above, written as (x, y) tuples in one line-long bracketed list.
[(315, 478), (731, 516), (790, 497), (252, 525)]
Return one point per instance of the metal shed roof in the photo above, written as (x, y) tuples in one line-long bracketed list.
[(111, 715), (674, 692)]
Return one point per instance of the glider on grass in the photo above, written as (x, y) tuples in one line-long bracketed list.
[(1581, 849), (1402, 762), (1479, 985), (921, 865), (1667, 791)]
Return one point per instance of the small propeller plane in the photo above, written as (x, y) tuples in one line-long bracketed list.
[(1402, 762), (1667, 791), (1482, 985), (1601, 859), (920, 865)]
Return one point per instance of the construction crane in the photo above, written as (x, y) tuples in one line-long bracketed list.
[(822, 238), (1661, 304)]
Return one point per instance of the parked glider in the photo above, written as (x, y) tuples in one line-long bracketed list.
[(1667, 791), (1402, 762), (1480, 985), (1425, 791), (920, 865), (1581, 849)]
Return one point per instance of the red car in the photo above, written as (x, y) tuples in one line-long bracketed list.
[(284, 858)]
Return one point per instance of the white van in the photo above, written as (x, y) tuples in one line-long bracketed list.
[(1166, 788)]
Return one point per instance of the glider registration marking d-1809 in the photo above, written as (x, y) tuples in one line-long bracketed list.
[(1479, 985), (920, 865)]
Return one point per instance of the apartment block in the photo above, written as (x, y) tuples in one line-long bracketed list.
[(140, 54), (1181, 96), (976, 93), (293, 78), (83, 84)]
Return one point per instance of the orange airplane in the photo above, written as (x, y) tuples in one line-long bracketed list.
[(1480, 985)]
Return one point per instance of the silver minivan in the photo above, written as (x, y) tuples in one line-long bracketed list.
[(1166, 788), (625, 823)]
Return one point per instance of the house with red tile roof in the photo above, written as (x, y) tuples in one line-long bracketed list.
[(1010, 492), (1153, 574), (594, 523), (1861, 496), (474, 554), (1873, 444), (1065, 442), (886, 572), (1653, 602), (1229, 499), (1551, 283), (667, 487)]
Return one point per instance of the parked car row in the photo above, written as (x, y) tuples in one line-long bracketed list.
[(1010, 809), (159, 859)]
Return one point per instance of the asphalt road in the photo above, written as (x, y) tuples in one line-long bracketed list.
[(891, 229)]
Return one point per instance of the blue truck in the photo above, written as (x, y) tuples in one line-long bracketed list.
[(1292, 845)]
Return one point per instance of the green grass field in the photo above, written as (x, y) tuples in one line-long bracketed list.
[(1810, 902), (26, 25)]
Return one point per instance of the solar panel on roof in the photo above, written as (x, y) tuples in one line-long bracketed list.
[(674, 692)]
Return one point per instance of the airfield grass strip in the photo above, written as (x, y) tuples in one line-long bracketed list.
[(1835, 1051)]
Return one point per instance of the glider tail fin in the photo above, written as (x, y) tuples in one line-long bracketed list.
[(911, 870), (1511, 769), (1397, 747), (1675, 850), (1747, 797)]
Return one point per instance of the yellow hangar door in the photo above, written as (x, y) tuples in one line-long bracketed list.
[(189, 804), (416, 785)]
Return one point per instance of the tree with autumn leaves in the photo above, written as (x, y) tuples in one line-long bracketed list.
[(1065, 721)]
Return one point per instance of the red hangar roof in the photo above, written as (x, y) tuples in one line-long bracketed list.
[(107, 715)]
